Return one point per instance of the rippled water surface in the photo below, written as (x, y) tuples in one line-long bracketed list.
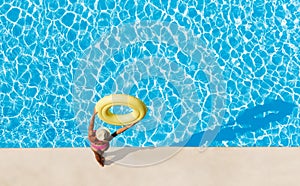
[(215, 73)]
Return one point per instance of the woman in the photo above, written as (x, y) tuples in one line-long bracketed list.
[(100, 139)]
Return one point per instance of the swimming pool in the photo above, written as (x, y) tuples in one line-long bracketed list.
[(213, 73)]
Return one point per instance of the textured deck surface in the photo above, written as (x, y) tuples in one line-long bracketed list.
[(209, 167)]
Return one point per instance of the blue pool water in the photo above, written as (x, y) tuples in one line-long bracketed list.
[(213, 73)]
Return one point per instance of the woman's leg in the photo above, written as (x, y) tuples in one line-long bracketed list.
[(100, 159)]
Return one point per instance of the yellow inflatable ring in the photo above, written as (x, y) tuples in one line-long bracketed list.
[(103, 106)]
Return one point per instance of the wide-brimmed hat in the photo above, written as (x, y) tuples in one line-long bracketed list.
[(102, 133)]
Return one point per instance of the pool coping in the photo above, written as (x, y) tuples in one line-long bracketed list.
[(193, 166)]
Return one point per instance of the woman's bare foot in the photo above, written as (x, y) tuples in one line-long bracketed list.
[(101, 162)]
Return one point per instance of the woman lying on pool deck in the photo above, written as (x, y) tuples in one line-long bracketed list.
[(101, 137)]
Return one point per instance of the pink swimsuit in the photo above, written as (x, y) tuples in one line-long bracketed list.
[(103, 147)]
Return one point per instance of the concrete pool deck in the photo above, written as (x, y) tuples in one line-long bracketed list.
[(186, 166)]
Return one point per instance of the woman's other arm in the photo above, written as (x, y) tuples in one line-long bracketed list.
[(91, 126)]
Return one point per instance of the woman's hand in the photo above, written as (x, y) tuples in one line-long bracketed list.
[(128, 126), (95, 111)]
